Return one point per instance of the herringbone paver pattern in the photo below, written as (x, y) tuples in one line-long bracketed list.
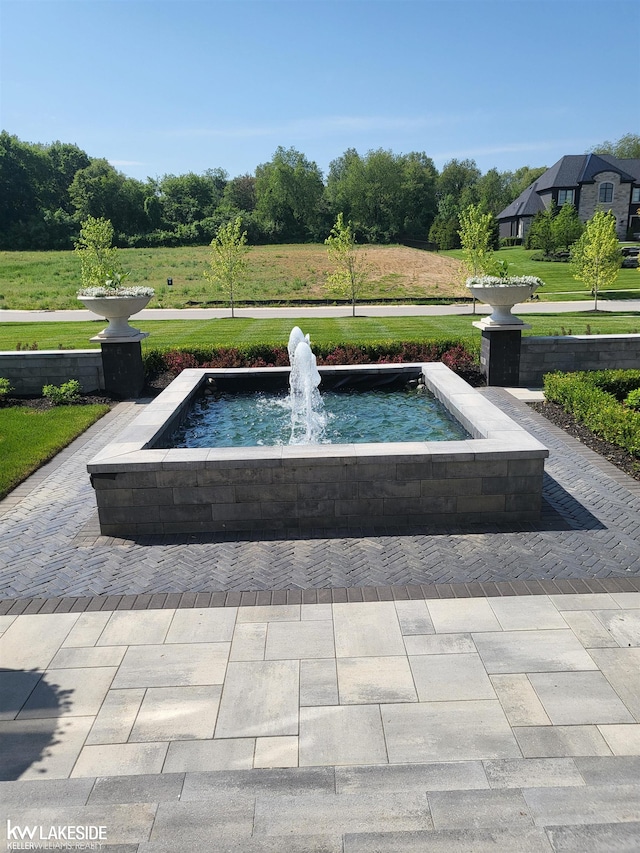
[(50, 546)]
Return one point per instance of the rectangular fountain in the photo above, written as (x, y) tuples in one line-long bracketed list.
[(143, 487)]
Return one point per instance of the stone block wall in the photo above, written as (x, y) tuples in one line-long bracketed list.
[(589, 194), (540, 355), (29, 371), (331, 492)]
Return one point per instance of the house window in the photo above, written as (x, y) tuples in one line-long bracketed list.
[(635, 194), (566, 197), (606, 193)]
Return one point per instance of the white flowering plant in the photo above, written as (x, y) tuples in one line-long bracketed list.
[(98, 292), (508, 281)]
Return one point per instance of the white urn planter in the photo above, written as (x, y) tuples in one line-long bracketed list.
[(117, 310), (501, 294)]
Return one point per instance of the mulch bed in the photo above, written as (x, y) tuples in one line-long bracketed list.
[(616, 455)]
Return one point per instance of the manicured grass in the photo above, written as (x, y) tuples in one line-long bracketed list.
[(559, 283), (168, 334), (29, 438)]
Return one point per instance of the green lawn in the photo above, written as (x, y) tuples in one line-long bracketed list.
[(49, 280), (559, 284), (240, 332), (29, 438)]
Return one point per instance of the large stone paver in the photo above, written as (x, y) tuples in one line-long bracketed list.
[(388, 752), (447, 731), (259, 699)]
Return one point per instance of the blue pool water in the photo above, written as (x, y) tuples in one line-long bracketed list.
[(264, 419)]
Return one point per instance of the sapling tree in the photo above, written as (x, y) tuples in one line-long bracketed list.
[(351, 272), (476, 239), (228, 260), (596, 256), (99, 263)]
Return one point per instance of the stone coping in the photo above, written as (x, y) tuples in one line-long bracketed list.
[(493, 432), (49, 353), (569, 338)]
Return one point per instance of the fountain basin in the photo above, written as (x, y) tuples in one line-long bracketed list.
[(142, 488)]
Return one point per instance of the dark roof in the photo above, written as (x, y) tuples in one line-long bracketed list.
[(528, 203), (596, 163), (630, 165), (570, 171), (565, 173)]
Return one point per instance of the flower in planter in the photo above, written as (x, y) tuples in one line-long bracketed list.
[(99, 292), (508, 281)]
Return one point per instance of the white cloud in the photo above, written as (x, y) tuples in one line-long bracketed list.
[(569, 146), (323, 126)]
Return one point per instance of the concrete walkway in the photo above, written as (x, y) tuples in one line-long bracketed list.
[(535, 307), (388, 691)]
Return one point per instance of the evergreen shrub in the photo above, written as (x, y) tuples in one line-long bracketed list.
[(592, 398)]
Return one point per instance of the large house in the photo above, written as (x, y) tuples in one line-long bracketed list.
[(588, 181)]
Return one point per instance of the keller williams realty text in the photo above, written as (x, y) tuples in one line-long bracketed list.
[(56, 837)]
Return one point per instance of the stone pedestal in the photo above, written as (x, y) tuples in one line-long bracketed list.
[(500, 353), (122, 365)]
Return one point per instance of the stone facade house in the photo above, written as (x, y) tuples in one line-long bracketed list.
[(589, 182)]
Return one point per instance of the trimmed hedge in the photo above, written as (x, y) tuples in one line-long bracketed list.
[(595, 400), (459, 357), (616, 382)]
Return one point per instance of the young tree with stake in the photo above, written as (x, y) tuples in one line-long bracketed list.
[(596, 256), (352, 269), (228, 262)]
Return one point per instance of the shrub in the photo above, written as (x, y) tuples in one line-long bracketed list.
[(60, 395), (616, 382), (176, 361), (5, 388), (633, 399), (459, 357), (583, 396)]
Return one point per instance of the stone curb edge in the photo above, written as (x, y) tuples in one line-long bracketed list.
[(419, 592)]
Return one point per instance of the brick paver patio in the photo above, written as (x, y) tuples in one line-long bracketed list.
[(589, 534)]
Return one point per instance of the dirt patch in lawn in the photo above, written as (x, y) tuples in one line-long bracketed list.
[(429, 272), (300, 271)]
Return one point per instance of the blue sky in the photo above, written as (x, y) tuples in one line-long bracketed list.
[(170, 87)]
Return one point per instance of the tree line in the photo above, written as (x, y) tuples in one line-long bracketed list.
[(47, 191)]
